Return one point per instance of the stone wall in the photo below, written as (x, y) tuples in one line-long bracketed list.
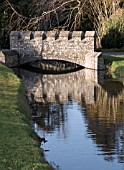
[(69, 46)]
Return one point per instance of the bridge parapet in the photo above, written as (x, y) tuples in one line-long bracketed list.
[(69, 46)]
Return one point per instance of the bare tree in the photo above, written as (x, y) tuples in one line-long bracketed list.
[(62, 14), (43, 11), (101, 10)]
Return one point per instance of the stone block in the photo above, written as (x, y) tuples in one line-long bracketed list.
[(64, 34), (76, 34), (14, 33), (90, 34), (11, 58), (51, 34), (26, 35)]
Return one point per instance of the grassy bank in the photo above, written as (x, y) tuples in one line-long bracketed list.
[(115, 66), (114, 63), (19, 149)]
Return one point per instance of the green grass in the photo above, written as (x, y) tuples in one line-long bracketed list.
[(114, 58), (114, 63), (19, 148)]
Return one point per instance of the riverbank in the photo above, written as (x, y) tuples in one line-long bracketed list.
[(19, 147), (114, 61)]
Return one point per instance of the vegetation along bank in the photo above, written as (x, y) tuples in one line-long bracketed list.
[(114, 63), (19, 146)]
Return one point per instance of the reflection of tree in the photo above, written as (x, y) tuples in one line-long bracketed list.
[(52, 118), (105, 121)]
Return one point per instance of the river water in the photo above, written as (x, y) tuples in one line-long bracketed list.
[(81, 116)]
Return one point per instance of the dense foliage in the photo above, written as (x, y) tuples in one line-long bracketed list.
[(112, 39), (113, 31)]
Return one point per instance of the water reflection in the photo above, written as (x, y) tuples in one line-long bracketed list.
[(69, 105), (105, 123)]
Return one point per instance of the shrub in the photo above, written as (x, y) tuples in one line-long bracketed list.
[(113, 31), (113, 39)]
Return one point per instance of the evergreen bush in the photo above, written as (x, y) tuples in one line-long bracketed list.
[(113, 39)]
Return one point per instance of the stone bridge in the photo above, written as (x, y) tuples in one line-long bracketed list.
[(75, 47)]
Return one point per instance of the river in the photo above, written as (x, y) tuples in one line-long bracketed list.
[(81, 117)]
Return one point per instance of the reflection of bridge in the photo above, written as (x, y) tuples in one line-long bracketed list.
[(73, 47), (83, 84), (58, 88), (103, 109)]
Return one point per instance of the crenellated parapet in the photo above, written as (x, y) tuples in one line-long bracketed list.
[(75, 46)]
